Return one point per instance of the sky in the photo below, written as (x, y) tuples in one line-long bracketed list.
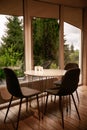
[(71, 34), (2, 25)]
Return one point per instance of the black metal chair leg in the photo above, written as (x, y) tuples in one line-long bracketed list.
[(8, 109), (75, 106), (77, 95), (55, 98), (46, 104), (26, 104), (61, 108), (38, 107), (69, 103), (19, 114)]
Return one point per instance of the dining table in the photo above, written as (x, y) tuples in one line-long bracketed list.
[(45, 75), (46, 72)]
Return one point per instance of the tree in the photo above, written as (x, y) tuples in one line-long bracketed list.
[(70, 55), (12, 49), (66, 54), (74, 56), (46, 40), (72, 48)]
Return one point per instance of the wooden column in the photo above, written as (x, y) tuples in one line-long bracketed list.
[(28, 36), (84, 57), (61, 40)]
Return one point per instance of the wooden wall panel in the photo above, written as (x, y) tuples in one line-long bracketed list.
[(73, 16), (39, 9), (84, 61), (11, 7)]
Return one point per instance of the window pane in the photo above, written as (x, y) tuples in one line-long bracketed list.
[(72, 44), (46, 42), (11, 44)]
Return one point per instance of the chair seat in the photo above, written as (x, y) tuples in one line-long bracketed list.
[(55, 88), (28, 92), (53, 91), (57, 83)]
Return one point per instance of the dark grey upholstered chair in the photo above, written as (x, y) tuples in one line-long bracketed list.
[(15, 90), (68, 85), (68, 66), (71, 65)]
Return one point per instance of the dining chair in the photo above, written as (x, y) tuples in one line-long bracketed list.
[(68, 85), (71, 65), (15, 90), (68, 66)]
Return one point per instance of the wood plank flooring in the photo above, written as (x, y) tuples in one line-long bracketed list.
[(52, 120)]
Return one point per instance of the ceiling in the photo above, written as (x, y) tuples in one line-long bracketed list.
[(15, 7), (11, 7), (71, 3)]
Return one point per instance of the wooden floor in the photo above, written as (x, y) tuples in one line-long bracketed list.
[(52, 120)]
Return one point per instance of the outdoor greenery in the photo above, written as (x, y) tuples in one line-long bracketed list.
[(70, 55), (45, 40), (12, 45)]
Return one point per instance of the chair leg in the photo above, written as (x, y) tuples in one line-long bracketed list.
[(30, 102), (26, 104), (19, 114), (38, 107), (8, 108), (69, 104), (77, 95), (75, 106), (46, 104), (51, 98), (61, 108), (55, 98)]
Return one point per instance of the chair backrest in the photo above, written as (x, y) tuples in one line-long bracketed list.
[(69, 82), (71, 66), (12, 83)]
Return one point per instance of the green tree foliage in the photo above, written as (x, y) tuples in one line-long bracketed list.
[(12, 49), (45, 43), (70, 54), (72, 48), (74, 56), (66, 54), (46, 40)]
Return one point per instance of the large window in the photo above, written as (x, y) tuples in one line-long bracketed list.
[(45, 42), (72, 44), (11, 44)]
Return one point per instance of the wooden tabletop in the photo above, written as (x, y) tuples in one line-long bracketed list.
[(46, 72)]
